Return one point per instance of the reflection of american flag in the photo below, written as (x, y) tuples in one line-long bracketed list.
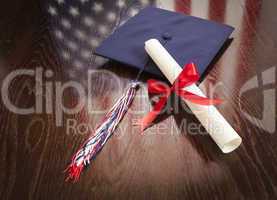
[(80, 26)]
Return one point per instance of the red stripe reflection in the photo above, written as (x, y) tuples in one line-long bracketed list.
[(183, 6)]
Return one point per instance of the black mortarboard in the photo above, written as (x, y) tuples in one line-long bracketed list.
[(187, 38)]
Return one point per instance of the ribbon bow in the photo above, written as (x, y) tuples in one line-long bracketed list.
[(187, 77)]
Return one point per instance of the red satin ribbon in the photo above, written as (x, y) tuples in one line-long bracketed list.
[(187, 77)]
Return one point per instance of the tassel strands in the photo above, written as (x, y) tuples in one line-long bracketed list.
[(97, 140)]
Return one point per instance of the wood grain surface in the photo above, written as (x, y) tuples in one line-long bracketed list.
[(165, 163)]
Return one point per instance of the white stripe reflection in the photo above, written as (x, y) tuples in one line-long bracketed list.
[(166, 4), (234, 17), (200, 8)]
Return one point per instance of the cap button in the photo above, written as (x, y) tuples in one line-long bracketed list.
[(166, 36)]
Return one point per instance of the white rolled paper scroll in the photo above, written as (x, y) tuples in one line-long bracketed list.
[(215, 124)]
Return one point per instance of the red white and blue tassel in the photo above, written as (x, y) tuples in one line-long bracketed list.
[(97, 140)]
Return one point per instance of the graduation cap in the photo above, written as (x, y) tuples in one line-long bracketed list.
[(187, 38)]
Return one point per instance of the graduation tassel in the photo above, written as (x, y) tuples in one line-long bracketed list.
[(97, 139)]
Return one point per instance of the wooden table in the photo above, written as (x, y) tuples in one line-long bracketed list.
[(165, 163)]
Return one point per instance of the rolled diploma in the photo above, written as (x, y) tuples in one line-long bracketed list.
[(219, 129)]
